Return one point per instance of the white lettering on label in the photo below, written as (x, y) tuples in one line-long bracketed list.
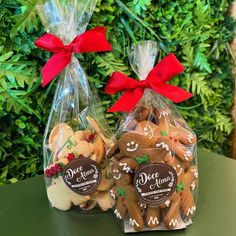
[(70, 173), (144, 178)]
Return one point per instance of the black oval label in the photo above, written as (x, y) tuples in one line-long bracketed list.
[(82, 175), (154, 183)]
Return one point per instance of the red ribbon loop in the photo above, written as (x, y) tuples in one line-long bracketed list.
[(93, 40), (156, 80)]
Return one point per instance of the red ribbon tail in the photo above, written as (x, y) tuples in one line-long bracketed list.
[(54, 66), (175, 94), (127, 101)]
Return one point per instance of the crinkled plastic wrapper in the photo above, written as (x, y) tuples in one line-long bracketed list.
[(76, 135), (153, 162)]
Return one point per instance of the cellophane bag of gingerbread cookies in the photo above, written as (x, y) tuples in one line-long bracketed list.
[(76, 135), (153, 162)]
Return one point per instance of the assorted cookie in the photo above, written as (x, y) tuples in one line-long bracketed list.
[(126, 201), (77, 174), (153, 169), (152, 179)]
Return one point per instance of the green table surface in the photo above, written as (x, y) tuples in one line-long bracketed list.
[(24, 209)]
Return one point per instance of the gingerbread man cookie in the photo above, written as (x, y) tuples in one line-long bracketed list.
[(182, 201), (126, 200), (166, 135)]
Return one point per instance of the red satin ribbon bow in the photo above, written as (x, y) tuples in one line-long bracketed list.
[(93, 40), (156, 80)]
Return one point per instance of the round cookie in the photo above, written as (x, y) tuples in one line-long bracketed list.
[(59, 135)]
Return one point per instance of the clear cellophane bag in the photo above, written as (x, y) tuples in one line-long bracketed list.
[(77, 135), (154, 160)]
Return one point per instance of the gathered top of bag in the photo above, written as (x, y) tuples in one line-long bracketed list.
[(66, 19)]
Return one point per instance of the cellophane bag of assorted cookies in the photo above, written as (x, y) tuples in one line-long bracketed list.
[(77, 135), (153, 162)]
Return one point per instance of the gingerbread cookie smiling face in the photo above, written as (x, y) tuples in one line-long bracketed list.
[(134, 145)]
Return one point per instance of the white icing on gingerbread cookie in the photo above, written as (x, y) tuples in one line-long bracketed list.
[(117, 213), (191, 210), (125, 168), (167, 203), (148, 131), (187, 155), (193, 185), (190, 137), (195, 173), (163, 145), (174, 222), (142, 205), (178, 170), (133, 222), (132, 146), (116, 174), (153, 220), (112, 194)]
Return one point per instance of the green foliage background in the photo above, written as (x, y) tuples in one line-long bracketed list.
[(198, 32)]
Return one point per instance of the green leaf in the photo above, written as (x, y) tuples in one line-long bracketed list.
[(20, 123), (201, 60), (107, 64), (140, 5), (5, 56), (27, 19)]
